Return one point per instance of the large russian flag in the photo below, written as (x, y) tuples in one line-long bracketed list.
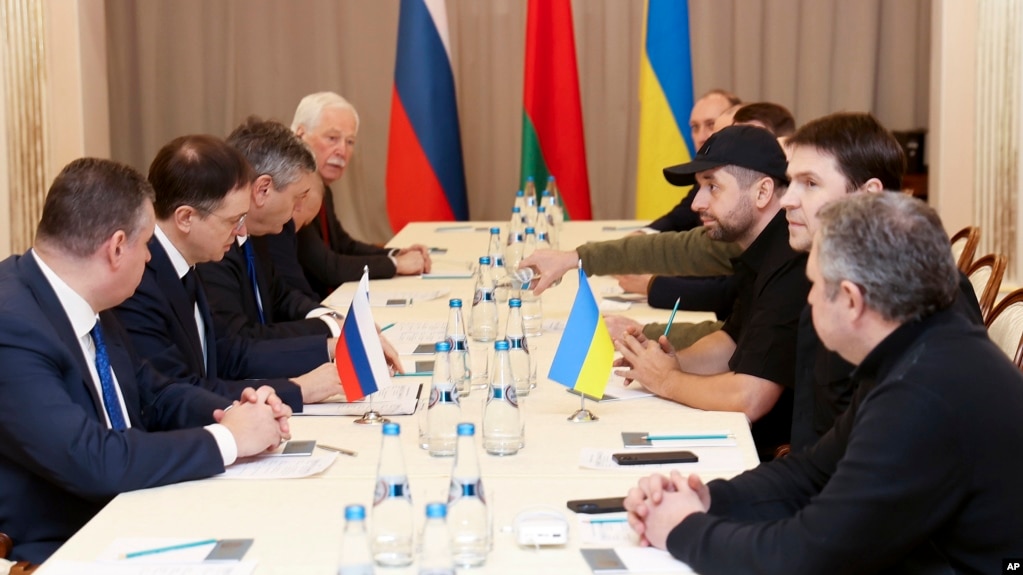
[(552, 119), (425, 177), (359, 357), (665, 100), (586, 352)]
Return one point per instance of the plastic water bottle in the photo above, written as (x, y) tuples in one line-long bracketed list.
[(518, 349), (458, 357), (532, 304), (392, 505), (529, 212), (520, 203), (467, 507), (495, 249), (516, 245), (443, 412), (355, 557), (553, 211), (483, 315), (435, 555), (502, 422), (542, 228)]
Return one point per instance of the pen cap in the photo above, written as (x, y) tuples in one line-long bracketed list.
[(355, 513)]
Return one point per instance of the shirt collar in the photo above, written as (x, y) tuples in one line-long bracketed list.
[(241, 240), (181, 266), (78, 311), (883, 357)]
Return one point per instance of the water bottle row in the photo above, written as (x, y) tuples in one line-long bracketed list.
[(545, 215), (503, 424), (464, 540), (469, 360)]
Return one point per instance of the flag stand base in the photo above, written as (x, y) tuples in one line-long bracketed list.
[(372, 417), (583, 416)]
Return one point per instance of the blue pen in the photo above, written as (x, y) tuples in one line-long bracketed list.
[(622, 520), (387, 327), (667, 328), (145, 552), (685, 437)]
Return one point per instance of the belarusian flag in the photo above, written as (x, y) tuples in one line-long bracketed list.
[(552, 117)]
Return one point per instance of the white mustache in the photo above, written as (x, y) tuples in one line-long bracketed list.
[(338, 162)]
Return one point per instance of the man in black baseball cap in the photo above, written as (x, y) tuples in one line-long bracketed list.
[(749, 365)]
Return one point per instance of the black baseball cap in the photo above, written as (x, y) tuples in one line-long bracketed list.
[(749, 147)]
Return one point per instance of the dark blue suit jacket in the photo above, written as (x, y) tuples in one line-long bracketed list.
[(59, 463), (233, 304), (160, 319)]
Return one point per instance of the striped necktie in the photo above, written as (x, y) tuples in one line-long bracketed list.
[(106, 381)]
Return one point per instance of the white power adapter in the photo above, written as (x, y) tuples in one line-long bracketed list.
[(536, 527)]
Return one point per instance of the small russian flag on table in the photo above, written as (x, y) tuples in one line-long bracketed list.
[(359, 357), (586, 352)]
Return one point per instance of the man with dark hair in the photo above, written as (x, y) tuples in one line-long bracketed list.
[(831, 158), (202, 198), (902, 483), (772, 117), (83, 418), (748, 365), (247, 295)]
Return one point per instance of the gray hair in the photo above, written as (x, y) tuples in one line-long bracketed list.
[(272, 149), (310, 109), (894, 248)]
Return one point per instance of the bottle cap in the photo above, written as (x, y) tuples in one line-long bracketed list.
[(530, 230), (520, 193), (543, 208), (436, 510), (466, 429), (355, 513), (442, 346), (514, 302), (455, 302), (392, 428), (485, 260), (501, 344), (495, 230)]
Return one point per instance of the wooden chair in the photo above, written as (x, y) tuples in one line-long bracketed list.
[(986, 276), (964, 246), (19, 568), (1005, 326)]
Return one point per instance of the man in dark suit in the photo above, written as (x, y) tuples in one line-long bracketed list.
[(247, 295), (202, 198), (83, 418), (330, 256)]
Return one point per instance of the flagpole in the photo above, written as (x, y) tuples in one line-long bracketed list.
[(582, 415), (372, 416)]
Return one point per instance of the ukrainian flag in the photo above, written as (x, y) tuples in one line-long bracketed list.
[(584, 356), (665, 100)]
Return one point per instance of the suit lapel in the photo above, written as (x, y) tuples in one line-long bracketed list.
[(170, 284), (49, 302)]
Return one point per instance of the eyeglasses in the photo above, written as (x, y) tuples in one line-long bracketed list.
[(236, 225)]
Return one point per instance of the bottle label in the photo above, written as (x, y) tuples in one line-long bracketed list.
[(482, 294), (458, 344), (506, 393), (460, 489), (442, 396), (516, 343), (391, 489)]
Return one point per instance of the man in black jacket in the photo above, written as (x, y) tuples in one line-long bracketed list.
[(918, 474), (329, 125)]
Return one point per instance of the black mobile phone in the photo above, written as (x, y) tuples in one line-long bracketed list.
[(652, 457), (605, 505)]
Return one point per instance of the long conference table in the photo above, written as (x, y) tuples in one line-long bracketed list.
[(297, 524)]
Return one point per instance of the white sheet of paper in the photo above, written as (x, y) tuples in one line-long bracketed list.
[(405, 336), (271, 467), (62, 567), (650, 560), (123, 545), (711, 458), (396, 399), (607, 305)]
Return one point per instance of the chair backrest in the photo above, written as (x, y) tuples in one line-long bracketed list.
[(964, 246), (1005, 326), (986, 276)]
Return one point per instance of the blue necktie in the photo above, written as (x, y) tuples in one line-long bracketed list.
[(106, 381), (250, 258)]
